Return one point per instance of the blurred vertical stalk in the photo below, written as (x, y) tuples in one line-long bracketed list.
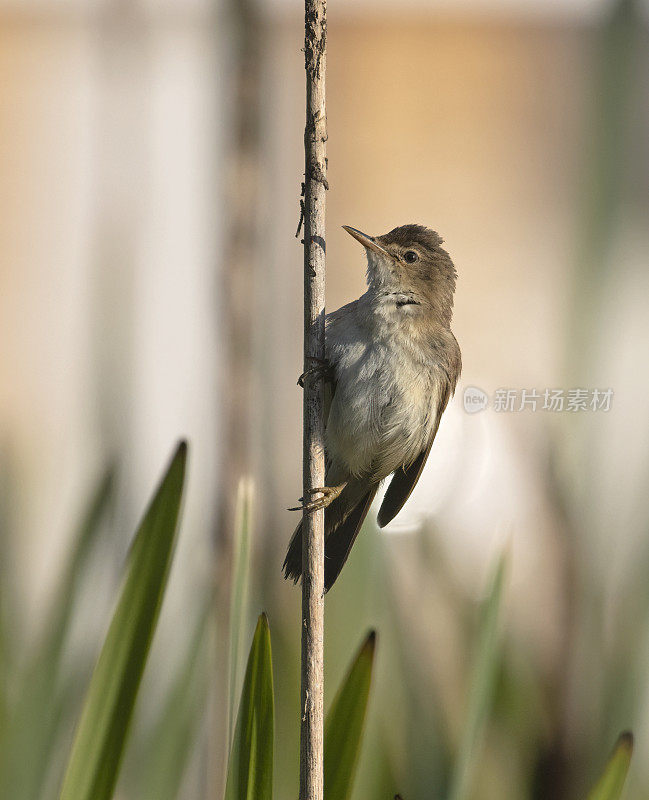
[(604, 171), (239, 594), (313, 466), (240, 203), (122, 47), (241, 207)]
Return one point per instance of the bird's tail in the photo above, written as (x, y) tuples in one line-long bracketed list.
[(343, 520)]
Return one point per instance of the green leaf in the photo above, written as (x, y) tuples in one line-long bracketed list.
[(250, 769), (38, 711), (610, 785), (239, 596), (482, 687), (344, 724), (99, 742)]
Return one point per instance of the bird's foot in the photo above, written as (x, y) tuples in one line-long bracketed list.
[(329, 494), (321, 370)]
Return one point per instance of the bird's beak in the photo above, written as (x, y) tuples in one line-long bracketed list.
[(368, 242)]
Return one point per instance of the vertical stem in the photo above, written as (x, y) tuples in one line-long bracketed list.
[(315, 137), (236, 312), (241, 242)]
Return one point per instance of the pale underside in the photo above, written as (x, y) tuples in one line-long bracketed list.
[(389, 391)]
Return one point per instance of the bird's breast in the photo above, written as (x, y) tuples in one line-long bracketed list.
[(384, 405)]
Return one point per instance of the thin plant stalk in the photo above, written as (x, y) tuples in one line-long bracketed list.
[(315, 184), (239, 593)]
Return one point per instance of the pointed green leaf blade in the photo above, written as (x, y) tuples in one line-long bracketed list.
[(344, 724), (250, 769), (99, 741), (610, 785), (482, 686)]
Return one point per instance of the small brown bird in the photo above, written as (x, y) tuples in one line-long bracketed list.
[(392, 366)]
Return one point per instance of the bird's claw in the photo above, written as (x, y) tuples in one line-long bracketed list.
[(321, 369), (329, 494)]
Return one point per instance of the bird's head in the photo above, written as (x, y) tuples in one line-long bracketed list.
[(411, 260)]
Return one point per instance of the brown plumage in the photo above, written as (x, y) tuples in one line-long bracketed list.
[(394, 365)]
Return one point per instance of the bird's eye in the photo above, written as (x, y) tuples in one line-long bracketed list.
[(410, 256)]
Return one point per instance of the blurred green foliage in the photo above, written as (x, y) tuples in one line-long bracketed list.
[(482, 688), (35, 692), (99, 742), (167, 748), (239, 593)]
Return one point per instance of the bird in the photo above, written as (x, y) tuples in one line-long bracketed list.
[(392, 364)]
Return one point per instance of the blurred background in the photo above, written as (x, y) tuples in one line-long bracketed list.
[(151, 288)]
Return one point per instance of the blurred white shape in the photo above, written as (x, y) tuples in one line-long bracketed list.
[(176, 342)]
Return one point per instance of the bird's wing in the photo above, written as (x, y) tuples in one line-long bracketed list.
[(332, 320), (339, 543), (405, 479)]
